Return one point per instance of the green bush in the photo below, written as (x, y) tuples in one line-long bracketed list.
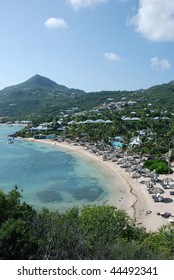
[(160, 166), (90, 233)]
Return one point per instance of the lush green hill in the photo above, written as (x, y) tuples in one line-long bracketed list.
[(39, 96), (161, 96), (35, 83)]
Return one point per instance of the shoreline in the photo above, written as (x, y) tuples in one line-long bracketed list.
[(125, 192), (13, 124)]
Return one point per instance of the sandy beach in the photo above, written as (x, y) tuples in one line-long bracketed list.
[(125, 192)]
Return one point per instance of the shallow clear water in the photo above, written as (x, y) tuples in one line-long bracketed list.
[(48, 177)]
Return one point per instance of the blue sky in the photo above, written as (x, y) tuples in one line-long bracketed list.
[(88, 44)]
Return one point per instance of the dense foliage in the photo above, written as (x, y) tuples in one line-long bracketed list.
[(93, 232), (42, 100), (97, 232), (159, 166), (36, 97), (41, 97)]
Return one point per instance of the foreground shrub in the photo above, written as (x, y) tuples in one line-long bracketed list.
[(160, 166), (91, 232)]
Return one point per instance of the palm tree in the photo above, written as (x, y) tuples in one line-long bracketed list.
[(171, 145)]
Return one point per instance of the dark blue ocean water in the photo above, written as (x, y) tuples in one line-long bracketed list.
[(48, 177)]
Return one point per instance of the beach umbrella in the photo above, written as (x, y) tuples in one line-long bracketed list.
[(126, 165), (167, 180), (136, 175), (137, 168), (130, 158), (171, 186), (143, 182), (147, 183), (153, 175), (134, 162), (121, 161), (144, 170), (114, 159), (155, 190), (129, 169)]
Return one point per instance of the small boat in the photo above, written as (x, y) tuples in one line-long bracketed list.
[(10, 141)]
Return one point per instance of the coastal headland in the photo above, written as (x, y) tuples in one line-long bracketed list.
[(125, 192)]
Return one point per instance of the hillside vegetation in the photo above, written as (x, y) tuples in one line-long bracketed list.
[(37, 96), (40, 96), (93, 119), (93, 232)]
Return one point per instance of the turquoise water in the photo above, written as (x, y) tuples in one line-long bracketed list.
[(48, 177)]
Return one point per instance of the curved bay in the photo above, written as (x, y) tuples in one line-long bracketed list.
[(47, 176)]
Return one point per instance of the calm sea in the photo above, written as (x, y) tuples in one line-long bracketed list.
[(48, 177)]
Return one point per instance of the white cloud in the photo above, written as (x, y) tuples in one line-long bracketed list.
[(77, 4), (56, 23), (162, 64), (155, 20), (112, 56)]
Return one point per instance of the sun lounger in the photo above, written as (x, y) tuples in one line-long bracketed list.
[(157, 197), (164, 214)]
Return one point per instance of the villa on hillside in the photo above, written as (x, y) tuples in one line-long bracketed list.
[(130, 119), (136, 141), (25, 122), (90, 122), (42, 127)]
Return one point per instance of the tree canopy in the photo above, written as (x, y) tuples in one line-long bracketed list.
[(92, 232)]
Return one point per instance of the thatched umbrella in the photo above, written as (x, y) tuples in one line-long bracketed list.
[(121, 161), (136, 175), (130, 159), (167, 180), (129, 169), (154, 176), (135, 162), (147, 183), (126, 165), (155, 190), (144, 170), (171, 186)]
